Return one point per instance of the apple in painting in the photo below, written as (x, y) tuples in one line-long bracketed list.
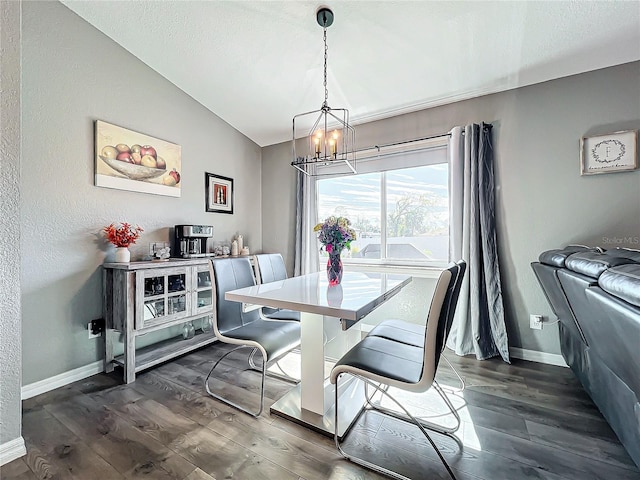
[(109, 152), (148, 161), (136, 157), (174, 173), (148, 150), (169, 180), (124, 157), (136, 149), (161, 163), (122, 148)]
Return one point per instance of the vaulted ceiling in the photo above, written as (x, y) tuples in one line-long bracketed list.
[(256, 64)]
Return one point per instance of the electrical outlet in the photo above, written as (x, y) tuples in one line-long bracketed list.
[(92, 335), (95, 328), (535, 322)]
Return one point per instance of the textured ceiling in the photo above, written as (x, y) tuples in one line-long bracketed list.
[(256, 64)]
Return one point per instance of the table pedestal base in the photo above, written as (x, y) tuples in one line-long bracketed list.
[(352, 399)]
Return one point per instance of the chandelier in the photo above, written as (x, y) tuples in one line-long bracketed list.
[(329, 139)]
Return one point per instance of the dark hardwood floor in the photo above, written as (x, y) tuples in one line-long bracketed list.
[(524, 420)]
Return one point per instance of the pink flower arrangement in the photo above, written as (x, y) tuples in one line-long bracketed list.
[(122, 234), (335, 234)]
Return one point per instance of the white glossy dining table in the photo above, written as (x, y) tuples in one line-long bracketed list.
[(311, 401)]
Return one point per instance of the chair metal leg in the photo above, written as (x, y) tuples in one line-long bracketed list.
[(409, 417), (453, 409), (369, 398), (229, 402), (283, 376), (250, 359), (462, 384), (426, 424)]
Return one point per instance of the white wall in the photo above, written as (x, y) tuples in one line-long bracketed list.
[(73, 75), (542, 201), (10, 346)]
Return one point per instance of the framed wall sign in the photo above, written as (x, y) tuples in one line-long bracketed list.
[(614, 152), (128, 160), (218, 193)]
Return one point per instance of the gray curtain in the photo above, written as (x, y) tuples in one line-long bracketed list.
[(306, 254), (479, 326)]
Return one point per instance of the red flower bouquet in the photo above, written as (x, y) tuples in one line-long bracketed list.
[(122, 234)]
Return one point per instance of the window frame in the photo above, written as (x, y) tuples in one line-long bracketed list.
[(441, 145)]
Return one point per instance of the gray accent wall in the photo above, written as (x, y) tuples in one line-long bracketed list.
[(73, 75), (10, 345), (542, 201)]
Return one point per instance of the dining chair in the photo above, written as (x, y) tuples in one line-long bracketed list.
[(270, 267), (382, 363), (413, 334), (272, 338)]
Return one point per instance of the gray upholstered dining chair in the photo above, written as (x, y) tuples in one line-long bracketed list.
[(382, 363), (270, 268), (413, 334), (272, 338)]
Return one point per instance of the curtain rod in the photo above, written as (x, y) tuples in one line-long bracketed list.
[(485, 126), (378, 147)]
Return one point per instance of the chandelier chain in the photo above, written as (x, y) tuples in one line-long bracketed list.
[(326, 91)]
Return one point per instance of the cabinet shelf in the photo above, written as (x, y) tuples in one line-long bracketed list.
[(167, 349)]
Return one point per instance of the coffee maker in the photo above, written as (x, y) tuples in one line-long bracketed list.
[(190, 241)]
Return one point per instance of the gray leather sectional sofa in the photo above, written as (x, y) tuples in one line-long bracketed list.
[(596, 296)]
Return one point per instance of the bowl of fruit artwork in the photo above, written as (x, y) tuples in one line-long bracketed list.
[(137, 162)]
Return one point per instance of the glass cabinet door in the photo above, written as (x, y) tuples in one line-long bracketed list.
[(177, 304), (154, 290), (203, 291), (176, 282), (153, 309), (162, 296), (154, 286)]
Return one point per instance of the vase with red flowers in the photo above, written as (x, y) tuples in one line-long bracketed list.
[(122, 235)]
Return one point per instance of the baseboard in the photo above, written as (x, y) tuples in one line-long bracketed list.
[(61, 380), (11, 450), (540, 357), (520, 353), (366, 327)]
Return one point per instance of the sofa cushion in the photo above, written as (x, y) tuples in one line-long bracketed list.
[(629, 253), (622, 282), (592, 264), (557, 257)]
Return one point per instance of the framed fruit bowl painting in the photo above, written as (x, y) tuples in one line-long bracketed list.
[(128, 160)]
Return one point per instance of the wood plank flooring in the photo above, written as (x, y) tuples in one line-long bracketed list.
[(524, 420)]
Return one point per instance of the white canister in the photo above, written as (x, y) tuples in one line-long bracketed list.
[(234, 248), (240, 241)]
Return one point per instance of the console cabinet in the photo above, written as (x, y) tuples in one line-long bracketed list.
[(142, 297)]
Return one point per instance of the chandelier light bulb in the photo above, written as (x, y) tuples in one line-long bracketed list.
[(334, 147)]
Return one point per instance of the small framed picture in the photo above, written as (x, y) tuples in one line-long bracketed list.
[(614, 152), (218, 193)]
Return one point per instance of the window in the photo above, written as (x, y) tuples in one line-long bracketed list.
[(401, 215)]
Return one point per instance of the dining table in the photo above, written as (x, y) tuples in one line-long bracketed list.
[(311, 401)]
